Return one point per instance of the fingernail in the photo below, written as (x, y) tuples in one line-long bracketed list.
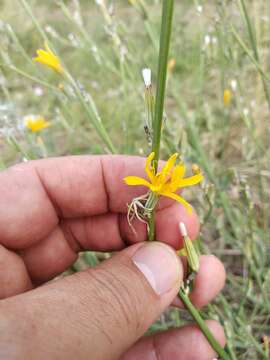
[(160, 266)]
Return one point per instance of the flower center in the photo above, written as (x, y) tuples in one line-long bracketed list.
[(156, 188)]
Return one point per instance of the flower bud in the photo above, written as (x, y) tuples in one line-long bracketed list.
[(192, 256)]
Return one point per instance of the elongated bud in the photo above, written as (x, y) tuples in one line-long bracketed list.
[(149, 102), (147, 75), (196, 169), (183, 229), (192, 256)]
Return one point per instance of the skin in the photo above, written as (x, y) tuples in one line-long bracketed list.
[(52, 209)]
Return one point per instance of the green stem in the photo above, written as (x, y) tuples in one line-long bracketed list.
[(151, 204), (165, 37), (151, 229), (92, 113), (199, 320), (164, 47), (32, 78)]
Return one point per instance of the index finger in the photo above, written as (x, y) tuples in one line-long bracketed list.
[(36, 195)]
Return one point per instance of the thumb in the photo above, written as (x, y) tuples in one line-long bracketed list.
[(99, 313)]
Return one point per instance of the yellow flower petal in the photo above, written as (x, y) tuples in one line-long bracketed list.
[(179, 199), (178, 173), (190, 181), (135, 181), (149, 168), (166, 171), (42, 53)]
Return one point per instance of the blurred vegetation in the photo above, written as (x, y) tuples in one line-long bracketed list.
[(217, 46)]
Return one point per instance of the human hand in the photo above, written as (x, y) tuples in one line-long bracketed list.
[(52, 209)]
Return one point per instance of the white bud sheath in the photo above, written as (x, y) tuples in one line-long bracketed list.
[(183, 229), (146, 73), (234, 84)]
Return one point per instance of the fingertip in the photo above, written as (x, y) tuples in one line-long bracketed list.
[(189, 342), (161, 267), (209, 281), (186, 343)]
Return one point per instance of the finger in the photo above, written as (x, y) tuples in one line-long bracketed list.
[(108, 232), (62, 188), (112, 305), (92, 232), (206, 286), (50, 257), (14, 277), (186, 343)]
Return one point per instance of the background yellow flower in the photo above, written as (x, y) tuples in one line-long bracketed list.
[(36, 123), (48, 58)]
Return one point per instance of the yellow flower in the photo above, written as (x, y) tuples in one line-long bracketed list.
[(167, 181), (48, 58), (36, 123), (227, 96)]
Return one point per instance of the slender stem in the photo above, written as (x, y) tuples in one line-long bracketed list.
[(92, 113), (165, 37), (199, 320), (12, 141), (151, 204), (151, 227), (32, 78)]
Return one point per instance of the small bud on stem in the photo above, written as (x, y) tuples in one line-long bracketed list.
[(192, 256), (146, 73)]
